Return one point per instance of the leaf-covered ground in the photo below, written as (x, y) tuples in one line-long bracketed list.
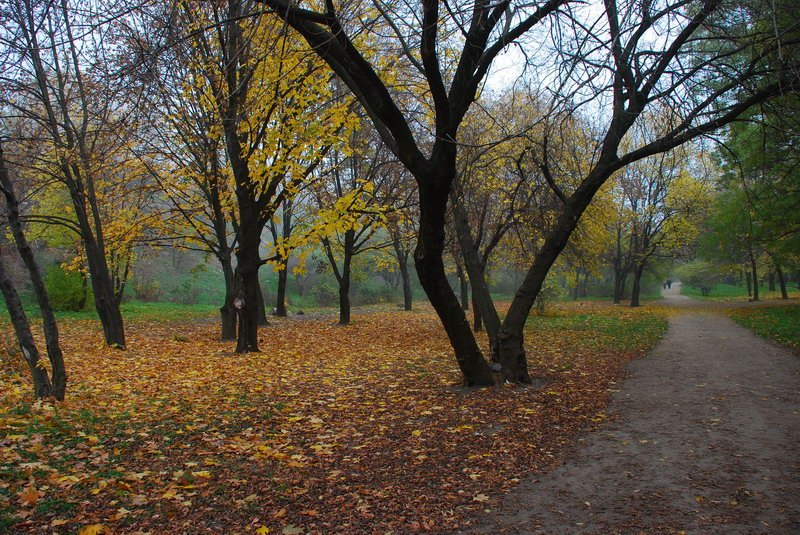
[(358, 429)]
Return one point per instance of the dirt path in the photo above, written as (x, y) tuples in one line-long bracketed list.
[(704, 438)]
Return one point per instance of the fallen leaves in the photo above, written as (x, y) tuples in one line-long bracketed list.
[(329, 429)]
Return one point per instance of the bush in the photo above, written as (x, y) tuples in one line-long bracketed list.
[(66, 289), (148, 290), (325, 294)]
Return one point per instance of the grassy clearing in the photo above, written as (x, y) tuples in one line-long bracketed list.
[(778, 323), (330, 429)]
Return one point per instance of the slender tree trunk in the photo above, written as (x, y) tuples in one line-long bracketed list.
[(754, 269), (749, 281), (428, 259), (344, 276), (771, 281), (59, 384), (228, 311), (781, 281), (283, 279), (481, 297), (464, 288), (262, 307), (84, 291), (41, 382), (618, 286), (402, 260), (637, 286)]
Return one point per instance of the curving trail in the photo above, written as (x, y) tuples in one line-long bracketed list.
[(704, 438)]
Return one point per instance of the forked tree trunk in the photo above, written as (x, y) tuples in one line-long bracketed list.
[(41, 382), (54, 354)]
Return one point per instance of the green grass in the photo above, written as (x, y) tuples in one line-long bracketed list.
[(779, 323), (138, 310), (728, 292), (605, 329)]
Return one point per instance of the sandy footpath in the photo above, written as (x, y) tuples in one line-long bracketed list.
[(704, 437)]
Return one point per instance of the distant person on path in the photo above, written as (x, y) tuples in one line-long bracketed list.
[(669, 283)]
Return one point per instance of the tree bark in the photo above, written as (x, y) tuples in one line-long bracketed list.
[(771, 278), (464, 289), (477, 319), (41, 382), (781, 281), (749, 281), (428, 260), (262, 307), (754, 269), (56, 357), (280, 304), (402, 261), (228, 311), (637, 288)]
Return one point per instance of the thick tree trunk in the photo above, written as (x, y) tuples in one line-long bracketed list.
[(477, 319), (637, 286), (754, 269), (280, 304), (781, 281), (428, 259), (247, 302), (41, 382), (59, 381), (344, 299)]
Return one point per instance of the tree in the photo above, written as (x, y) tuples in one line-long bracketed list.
[(42, 385), (59, 85), (278, 118), (681, 68)]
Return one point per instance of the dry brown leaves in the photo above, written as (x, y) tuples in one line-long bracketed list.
[(358, 429)]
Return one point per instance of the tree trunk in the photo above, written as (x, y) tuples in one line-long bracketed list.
[(481, 297), (247, 288), (41, 382), (772, 281), (754, 269), (477, 319), (262, 308), (402, 260), (637, 286), (227, 311), (464, 288), (618, 286), (428, 260), (749, 282), (280, 305), (344, 276), (56, 357), (781, 281)]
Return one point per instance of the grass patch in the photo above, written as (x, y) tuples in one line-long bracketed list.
[(779, 323), (729, 292), (603, 327)]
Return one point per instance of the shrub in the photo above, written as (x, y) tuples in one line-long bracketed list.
[(325, 294), (66, 289)]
